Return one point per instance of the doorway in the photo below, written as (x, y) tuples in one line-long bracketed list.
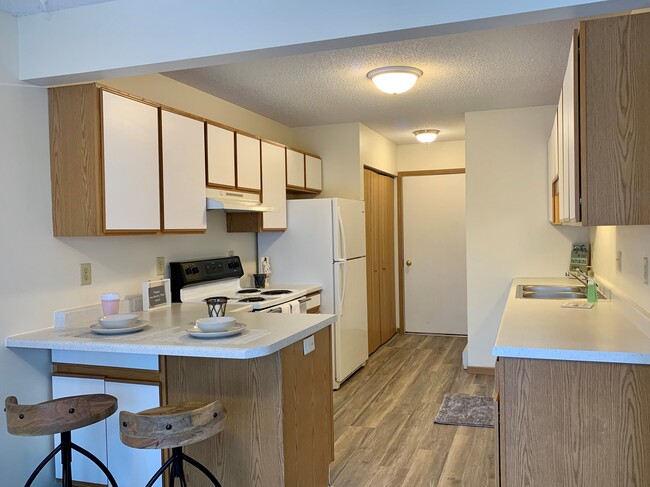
[(433, 271)]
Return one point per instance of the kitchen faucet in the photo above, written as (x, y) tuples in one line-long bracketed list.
[(579, 275)]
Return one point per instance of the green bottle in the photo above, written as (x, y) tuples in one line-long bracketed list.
[(592, 293)]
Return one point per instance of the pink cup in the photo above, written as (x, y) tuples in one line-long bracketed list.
[(110, 304)]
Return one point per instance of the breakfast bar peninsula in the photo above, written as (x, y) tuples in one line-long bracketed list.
[(274, 379)]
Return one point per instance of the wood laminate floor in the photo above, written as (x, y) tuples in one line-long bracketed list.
[(383, 419)]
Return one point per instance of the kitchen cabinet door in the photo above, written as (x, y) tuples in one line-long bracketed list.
[(570, 191), (92, 438), (553, 200), (183, 167), (131, 178), (313, 173), (131, 466), (295, 169), (274, 192), (248, 163), (220, 150)]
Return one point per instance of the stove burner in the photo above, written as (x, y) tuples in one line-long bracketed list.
[(254, 299), (248, 291), (275, 292)]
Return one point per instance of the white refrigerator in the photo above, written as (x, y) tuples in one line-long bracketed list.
[(325, 243)]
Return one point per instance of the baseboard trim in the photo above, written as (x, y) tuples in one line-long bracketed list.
[(480, 370)]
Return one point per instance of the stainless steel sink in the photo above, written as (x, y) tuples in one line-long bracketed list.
[(544, 291)]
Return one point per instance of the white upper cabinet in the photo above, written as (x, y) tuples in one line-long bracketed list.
[(295, 169), (131, 179), (183, 165), (313, 171), (221, 156), (274, 191), (248, 163), (553, 201)]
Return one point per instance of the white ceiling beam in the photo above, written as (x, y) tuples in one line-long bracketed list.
[(130, 37)]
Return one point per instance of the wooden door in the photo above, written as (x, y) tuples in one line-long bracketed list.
[(380, 258)]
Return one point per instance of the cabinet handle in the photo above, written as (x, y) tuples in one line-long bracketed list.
[(409, 263)]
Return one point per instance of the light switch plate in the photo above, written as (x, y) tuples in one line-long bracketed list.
[(308, 345)]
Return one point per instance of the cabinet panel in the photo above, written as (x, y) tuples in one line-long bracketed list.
[(248, 163), (92, 438), (131, 466), (221, 156), (131, 178), (552, 148), (614, 104), (274, 191), (295, 168), (313, 173), (183, 163)]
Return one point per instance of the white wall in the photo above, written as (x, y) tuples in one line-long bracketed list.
[(634, 242), (437, 155), (376, 151), (338, 146), (41, 273), (508, 234)]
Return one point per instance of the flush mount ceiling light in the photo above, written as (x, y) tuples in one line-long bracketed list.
[(394, 79), (427, 135)]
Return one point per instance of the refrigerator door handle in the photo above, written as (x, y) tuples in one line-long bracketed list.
[(344, 253), (341, 296)]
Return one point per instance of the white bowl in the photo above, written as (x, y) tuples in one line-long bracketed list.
[(118, 321), (216, 323)]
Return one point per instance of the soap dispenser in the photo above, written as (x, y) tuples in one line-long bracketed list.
[(592, 293)]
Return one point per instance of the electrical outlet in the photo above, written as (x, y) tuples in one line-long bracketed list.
[(308, 345), (86, 274), (160, 266), (619, 260), (231, 253), (645, 270)]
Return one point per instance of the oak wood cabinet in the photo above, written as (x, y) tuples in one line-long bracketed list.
[(304, 172), (603, 129), (249, 163), (220, 157), (273, 194), (104, 163), (183, 173), (572, 423), (380, 257)]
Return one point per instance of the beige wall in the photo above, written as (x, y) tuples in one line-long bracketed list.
[(338, 146), (170, 92), (377, 151), (634, 243), (437, 155), (508, 234)]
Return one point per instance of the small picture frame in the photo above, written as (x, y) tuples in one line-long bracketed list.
[(156, 294)]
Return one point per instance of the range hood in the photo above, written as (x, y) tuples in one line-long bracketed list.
[(234, 201)]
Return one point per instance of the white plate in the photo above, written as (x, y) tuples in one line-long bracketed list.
[(235, 329), (133, 327), (118, 321)]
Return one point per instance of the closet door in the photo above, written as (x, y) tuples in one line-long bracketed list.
[(380, 258)]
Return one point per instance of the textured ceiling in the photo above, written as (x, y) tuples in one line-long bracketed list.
[(20, 8), (485, 70)]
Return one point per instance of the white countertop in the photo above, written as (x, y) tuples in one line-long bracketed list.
[(265, 334), (612, 331)]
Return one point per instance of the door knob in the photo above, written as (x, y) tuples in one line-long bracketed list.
[(409, 263)]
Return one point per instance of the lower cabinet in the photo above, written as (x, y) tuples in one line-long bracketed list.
[(128, 465), (566, 423)]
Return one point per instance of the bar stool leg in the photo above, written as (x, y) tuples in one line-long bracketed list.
[(202, 468), (66, 459), (96, 461)]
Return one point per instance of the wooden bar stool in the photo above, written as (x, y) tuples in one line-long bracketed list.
[(173, 427), (61, 416)]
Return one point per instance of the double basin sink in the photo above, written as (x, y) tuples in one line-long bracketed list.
[(544, 291)]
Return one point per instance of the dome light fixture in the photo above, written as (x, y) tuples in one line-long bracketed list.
[(426, 135), (394, 79)]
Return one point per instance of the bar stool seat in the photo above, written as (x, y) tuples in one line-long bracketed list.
[(60, 416), (173, 427)]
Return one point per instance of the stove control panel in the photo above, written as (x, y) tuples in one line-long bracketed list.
[(201, 271)]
